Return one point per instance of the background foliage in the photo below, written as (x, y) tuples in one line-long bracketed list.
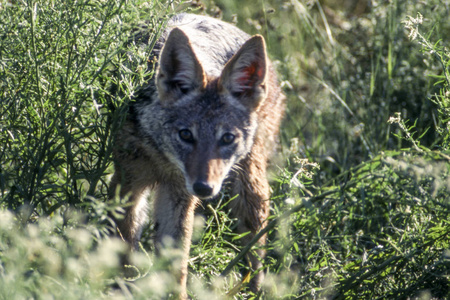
[(360, 187)]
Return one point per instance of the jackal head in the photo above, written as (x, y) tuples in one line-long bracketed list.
[(210, 121)]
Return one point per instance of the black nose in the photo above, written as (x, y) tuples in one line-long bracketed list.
[(203, 189)]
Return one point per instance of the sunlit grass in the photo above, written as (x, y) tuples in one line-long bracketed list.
[(360, 185)]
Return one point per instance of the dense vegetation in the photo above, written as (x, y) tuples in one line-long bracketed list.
[(361, 185)]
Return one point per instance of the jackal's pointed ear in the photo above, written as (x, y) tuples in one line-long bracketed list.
[(244, 76), (179, 70)]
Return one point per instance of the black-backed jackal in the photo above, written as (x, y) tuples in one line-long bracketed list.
[(211, 113)]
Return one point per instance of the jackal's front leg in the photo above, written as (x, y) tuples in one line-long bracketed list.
[(251, 208), (174, 219), (130, 226)]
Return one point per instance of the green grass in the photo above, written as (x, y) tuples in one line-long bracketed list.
[(364, 216)]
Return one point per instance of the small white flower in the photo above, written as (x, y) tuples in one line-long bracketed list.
[(396, 119)]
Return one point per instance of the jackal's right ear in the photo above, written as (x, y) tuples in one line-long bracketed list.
[(179, 70), (244, 75)]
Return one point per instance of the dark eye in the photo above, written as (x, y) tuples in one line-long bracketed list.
[(182, 87), (186, 135), (227, 138)]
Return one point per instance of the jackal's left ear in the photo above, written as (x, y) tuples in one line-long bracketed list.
[(179, 71), (244, 76)]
